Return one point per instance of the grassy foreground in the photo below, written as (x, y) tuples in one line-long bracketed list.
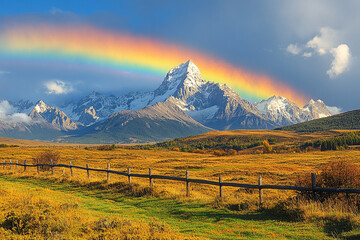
[(60, 208), (137, 206)]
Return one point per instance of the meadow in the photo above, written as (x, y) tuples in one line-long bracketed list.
[(202, 215)]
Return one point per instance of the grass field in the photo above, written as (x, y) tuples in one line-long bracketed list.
[(201, 215)]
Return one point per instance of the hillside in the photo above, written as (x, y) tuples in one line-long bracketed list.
[(243, 139), (344, 121)]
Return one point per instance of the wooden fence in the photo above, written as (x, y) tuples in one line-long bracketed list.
[(314, 189)]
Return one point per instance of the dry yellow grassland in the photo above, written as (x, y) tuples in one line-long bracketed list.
[(245, 168)]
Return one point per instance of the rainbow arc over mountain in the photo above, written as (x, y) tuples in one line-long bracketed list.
[(93, 47)]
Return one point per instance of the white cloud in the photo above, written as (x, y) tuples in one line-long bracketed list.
[(323, 42), (341, 60), (58, 87), (19, 117), (5, 108), (334, 110), (326, 43), (7, 113), (293, 49)]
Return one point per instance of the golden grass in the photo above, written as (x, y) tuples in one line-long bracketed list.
[(28, 216), (246, 168)]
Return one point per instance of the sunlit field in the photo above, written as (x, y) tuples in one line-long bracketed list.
[(167, 202)]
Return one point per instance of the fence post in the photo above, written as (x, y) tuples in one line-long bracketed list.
[(4, 164), (10, 164), (260, 191), (17, 162), (129, 177), (88, 171), (150, 178), (38, 167), (187, 184), (25, 165), (108, 173), (71, 170), (221, 188), (313, 185), (52, 167)]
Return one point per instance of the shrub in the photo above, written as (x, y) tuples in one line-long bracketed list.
[(336, 174), (46, 157), (106, 147), (220, 152), (232, 152), (267, 147)]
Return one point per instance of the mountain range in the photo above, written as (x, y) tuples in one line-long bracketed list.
[(184, 104)]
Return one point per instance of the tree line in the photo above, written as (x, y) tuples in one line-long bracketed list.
[(335, 143)]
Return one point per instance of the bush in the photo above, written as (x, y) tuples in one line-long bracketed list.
[(232, 152), (336, 174), (46, 157), (106, 147), (267, 147), (220, 152)]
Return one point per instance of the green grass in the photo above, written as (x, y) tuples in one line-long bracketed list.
[(192, 217)]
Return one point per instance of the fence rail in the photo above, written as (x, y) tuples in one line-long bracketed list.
[(186, 179)]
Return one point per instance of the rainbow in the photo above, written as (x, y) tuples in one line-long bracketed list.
[(86, 45)]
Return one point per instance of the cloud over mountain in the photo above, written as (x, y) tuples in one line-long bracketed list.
[(7, 113), (57, 87)]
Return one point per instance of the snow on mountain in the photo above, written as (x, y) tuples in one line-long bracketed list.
[(102, 105), (52, 115), (180, 82), (204, 114), (280, 110), (284, 112), (316, 109), (22, 106), (88, 116)]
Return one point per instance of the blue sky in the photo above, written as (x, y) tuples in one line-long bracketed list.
[(313, 46)]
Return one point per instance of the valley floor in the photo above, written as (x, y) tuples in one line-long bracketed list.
[(198, 215)]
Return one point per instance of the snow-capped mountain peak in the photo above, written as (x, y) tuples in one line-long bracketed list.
[(41, 107), (317, 109), (52, 115), (180, 82), (273, 104), (193, 75), (284, 112)]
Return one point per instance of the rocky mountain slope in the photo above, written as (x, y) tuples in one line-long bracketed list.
[(163, 120), (52, 115)]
